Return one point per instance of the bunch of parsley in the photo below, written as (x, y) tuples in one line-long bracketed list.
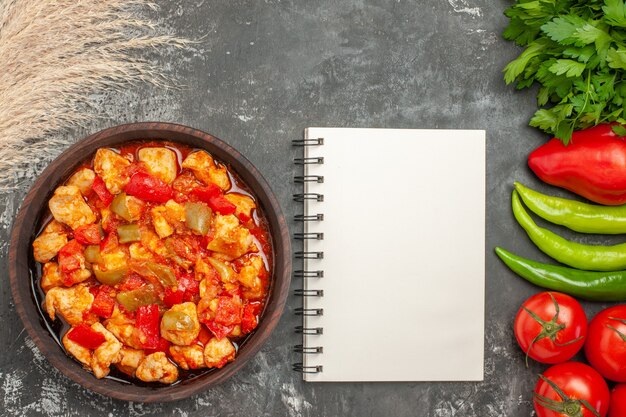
[(576, 51)]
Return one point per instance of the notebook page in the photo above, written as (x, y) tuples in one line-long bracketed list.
[(404, 255)]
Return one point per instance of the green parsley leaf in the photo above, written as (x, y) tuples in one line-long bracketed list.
[(568, 67), (615, 13)]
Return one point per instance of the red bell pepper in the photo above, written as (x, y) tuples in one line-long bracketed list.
[(249, 319), (147, 320), (86, 336), (161, 346), (88, 234), (69, 256), (148, 188), (219, 330), (100, 188), (593, 165), (212, 195), (172, 298), (103, 304)]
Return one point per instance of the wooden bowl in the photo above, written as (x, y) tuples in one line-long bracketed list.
[(22, 266)]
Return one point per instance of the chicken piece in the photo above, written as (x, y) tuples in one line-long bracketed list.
[(161, 162), (209, 288), (188, 357), (185, 183), (76, 276), (161, 226), (79, 352), (83, 179), (167, 218), (112, 168), (105, 354), (138, 251), (249, 276), (182, 337), (51, 276), (244, 205), (129, 360), (135, 207), (230, 238), (206, 170), (218, 352), (49, 242), (156, 368), (123, 328), (72, 303), (68, 206)]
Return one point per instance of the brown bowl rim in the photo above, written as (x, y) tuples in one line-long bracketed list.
[(59, 170)]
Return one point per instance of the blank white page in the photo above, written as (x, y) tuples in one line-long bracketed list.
[(404, 255)]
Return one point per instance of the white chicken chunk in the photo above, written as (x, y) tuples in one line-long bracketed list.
[(167, 218), (161, 163), (249, 276), (112, 168), (129, 360), (83, 179), (188, 357), (79, 352), (230, 238), (71, 303), (49, 242), (182, 337), (51, 276), (123, 327), (68, 206), (105, 354), (218, 352), (137, 251), (156, 368), (204, 168), (244, 204)]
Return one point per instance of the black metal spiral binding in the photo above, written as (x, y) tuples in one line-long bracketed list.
[(308, 196), (306, 274)]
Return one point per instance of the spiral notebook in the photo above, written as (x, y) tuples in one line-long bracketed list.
[(393, 254)]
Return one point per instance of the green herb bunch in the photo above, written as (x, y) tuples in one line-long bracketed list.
[(576, 51)]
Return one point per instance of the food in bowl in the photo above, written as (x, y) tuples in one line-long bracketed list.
[(156, 259)]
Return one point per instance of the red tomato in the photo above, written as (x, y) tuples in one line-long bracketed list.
[(103, 303), (229, 311), (70, 256), (148, 188), (571, 389), (88, 234), (606, 344), (551, 327), (148, 322), (617, 407), (101, 191)]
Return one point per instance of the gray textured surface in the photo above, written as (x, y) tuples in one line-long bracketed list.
[(267, 69)]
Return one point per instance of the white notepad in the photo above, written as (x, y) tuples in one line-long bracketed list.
[(403, 255)]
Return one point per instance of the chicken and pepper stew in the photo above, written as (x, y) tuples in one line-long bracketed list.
[(156, 259)]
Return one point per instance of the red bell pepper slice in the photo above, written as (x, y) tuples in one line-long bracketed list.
[(249, 320), (204, 336), (172, 298), (88, 234), (147, 320), (69, 256), (100, 188), (131, 282), (103, 304), (189, 286), (86, 336), (229, 311), (219, 330), (162, 346), (212, 195), (148, 188)]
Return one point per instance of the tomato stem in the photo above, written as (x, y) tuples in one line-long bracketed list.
[(568, 407)]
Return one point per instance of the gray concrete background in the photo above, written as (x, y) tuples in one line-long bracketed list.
[(266, 70)]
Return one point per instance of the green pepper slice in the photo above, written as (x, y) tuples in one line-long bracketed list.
[(92, 254), (176, 320), (164, 273), (129, 233), (225, 272), (133, 299), (111, 277), (119, 207), (198, 217)]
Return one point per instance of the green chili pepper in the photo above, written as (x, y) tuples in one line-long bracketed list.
[(577, 255), (120, 207), (133, 299), (111, 277), (575, 215), (198, 217), (176, 320), (129, 233), (164, 273), (92, 254), (589, 285)]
